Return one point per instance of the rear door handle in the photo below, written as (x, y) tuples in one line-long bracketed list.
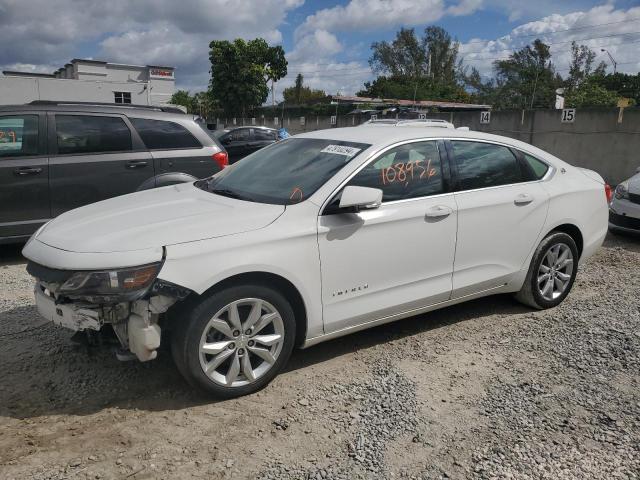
[(523, 199), (439, 211), (136, 164), (27, 171)]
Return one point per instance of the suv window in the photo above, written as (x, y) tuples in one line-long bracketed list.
[(408, 171), (264, 135), (484, 165), (538, 167), (91, 134), (163, 135), (18, 135)]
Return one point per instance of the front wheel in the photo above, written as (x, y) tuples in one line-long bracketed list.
[(552, 272), (236, 341)]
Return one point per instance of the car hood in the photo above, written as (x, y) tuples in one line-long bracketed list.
[(154, 218)]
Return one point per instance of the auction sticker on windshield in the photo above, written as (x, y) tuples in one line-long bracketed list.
[(340, 150)]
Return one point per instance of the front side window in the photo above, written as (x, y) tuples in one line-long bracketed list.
[(122, 97), (408, 171), (163, 135), (91, 134), (483, 165), (18, 135), (284, 173)]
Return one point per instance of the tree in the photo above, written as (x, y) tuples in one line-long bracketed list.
[(590, 94), (416, 68), (299, 94), (240, 71), (624, 84), (442, 55), (183, 98), (403, 57), (297, 89), (582, 58), (527, 79)]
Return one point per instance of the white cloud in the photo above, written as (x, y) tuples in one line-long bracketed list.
[(599, 27), (465, 7), (332, 77), (49, 33), (373, 14), (317, 45)]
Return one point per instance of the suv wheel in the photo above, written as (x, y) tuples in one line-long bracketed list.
[(552, 272), (236, 341)]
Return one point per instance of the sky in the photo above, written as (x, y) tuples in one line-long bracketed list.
[(327, 41)]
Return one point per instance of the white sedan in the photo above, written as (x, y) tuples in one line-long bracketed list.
[(314, 237), (624, 210)]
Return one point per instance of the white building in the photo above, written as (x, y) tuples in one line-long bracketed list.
[(91, 81)]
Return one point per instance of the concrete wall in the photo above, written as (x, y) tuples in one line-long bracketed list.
[(596, 140)]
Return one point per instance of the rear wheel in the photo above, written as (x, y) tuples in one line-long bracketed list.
[(236, 341), (551, 273)]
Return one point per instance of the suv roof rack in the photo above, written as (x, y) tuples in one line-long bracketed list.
[(157, 108), (415, 122)]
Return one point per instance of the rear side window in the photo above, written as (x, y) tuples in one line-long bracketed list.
[(262, 135), (408, 171), (18, 135), (91, 134), (483, 165), (240, 135), (163, 135), (538, 167)]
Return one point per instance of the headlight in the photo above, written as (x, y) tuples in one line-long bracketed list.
[(622, 190), (119, 285)]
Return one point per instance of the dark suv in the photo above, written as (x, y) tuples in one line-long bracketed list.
[(55, 157)]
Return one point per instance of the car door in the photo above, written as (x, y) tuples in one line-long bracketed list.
[(174, 148), (500, 214), (94, 157), (398, 257), (24, 173), (236, 142)]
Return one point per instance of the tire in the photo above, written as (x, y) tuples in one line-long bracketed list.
[(207, 337), (536, 294)]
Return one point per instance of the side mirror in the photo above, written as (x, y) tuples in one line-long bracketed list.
[(361, 198)]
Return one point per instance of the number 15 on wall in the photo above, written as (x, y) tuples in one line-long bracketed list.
[(568, 115)]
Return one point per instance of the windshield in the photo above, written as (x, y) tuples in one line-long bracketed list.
[(287, 172)]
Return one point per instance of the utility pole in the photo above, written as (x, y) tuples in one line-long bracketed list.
[(615, 64)]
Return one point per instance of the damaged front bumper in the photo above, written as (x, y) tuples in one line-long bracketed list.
[(134, 323)]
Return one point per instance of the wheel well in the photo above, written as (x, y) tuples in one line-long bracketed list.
[(573, 232), (281, 284)]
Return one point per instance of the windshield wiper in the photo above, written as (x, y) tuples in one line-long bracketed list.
[(229, 193)]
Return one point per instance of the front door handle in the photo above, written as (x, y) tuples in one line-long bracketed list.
[(523, 199), (27, 171), (136, 164), (439, 211)]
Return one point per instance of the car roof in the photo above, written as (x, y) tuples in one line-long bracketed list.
[(379, 136), (129, 110)]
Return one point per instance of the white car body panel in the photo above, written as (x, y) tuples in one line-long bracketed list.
[(156, 217), (406, 261), (496, 235), (380, 261)]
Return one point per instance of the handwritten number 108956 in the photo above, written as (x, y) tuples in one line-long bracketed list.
[(407, 172)]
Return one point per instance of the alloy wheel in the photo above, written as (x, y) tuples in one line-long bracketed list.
[(555, 271), (241, 342)]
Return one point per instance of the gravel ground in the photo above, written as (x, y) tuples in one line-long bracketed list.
[(484, 390)]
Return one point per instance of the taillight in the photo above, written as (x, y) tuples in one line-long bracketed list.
[(608, 192), (221, 158)]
